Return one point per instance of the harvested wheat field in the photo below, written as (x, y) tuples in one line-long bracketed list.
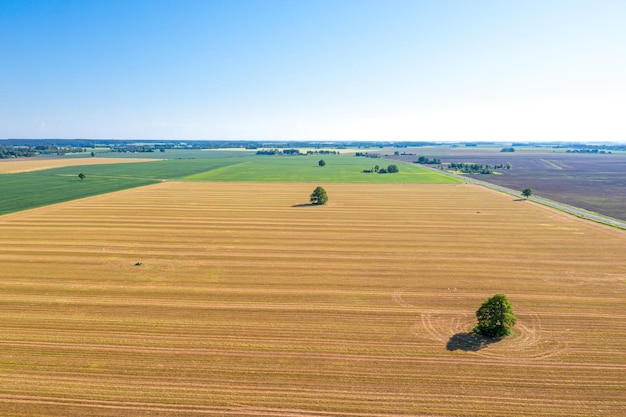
[(230, 299), (37, 164)]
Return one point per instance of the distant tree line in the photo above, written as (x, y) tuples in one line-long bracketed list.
[(426, 160), (511, 149), (600, 151), (586, 148), (367, 154), (322, 152), (476, 168), (38, 150), (137, 148), (391, 169), (252, 144), (12, 152), (268, 152), (277, 151)]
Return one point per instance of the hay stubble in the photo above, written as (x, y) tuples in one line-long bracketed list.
[(11, 166), (246, 304)]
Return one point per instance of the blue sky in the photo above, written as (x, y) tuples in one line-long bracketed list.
[(314, 70)]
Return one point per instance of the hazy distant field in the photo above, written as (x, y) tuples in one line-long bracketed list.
[(594, 182), (248, 303)]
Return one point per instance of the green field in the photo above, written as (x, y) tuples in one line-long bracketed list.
[(339, 168), (172, 169), (35, 189), (23, 191)]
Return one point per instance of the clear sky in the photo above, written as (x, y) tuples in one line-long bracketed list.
[(314, 70)]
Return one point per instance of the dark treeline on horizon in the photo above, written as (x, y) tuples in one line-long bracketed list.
[(208, 143), (19, 148), (256, 144)]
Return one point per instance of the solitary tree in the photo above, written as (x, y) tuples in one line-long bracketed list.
[(319, 196), (321, 163), (495, 317), (527, 192), (81, 176)]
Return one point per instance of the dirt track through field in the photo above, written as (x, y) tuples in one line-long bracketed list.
[(241, 300)]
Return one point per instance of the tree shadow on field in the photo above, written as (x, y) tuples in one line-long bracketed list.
[(304, 205), (470, 342)]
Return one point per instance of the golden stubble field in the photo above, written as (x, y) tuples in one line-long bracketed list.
[(247, 302), (12, 166)]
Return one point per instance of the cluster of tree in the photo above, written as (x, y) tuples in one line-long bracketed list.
[(391, 169), (586, 148), (137, 148), (511, 149), (476, 168), (217, 144), (251, 144), (601, 151), (367, 154), (30, 151), (413, 144), (13, 152), (268, 152), (322, 152), (397, 153), (276, 151), (426, 160)]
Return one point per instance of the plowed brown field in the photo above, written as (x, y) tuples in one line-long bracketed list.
[(37, 164), (250, 303)]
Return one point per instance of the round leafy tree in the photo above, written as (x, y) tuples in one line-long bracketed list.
[(495, 317), (527, 192), (319, 196), (321, 163)]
